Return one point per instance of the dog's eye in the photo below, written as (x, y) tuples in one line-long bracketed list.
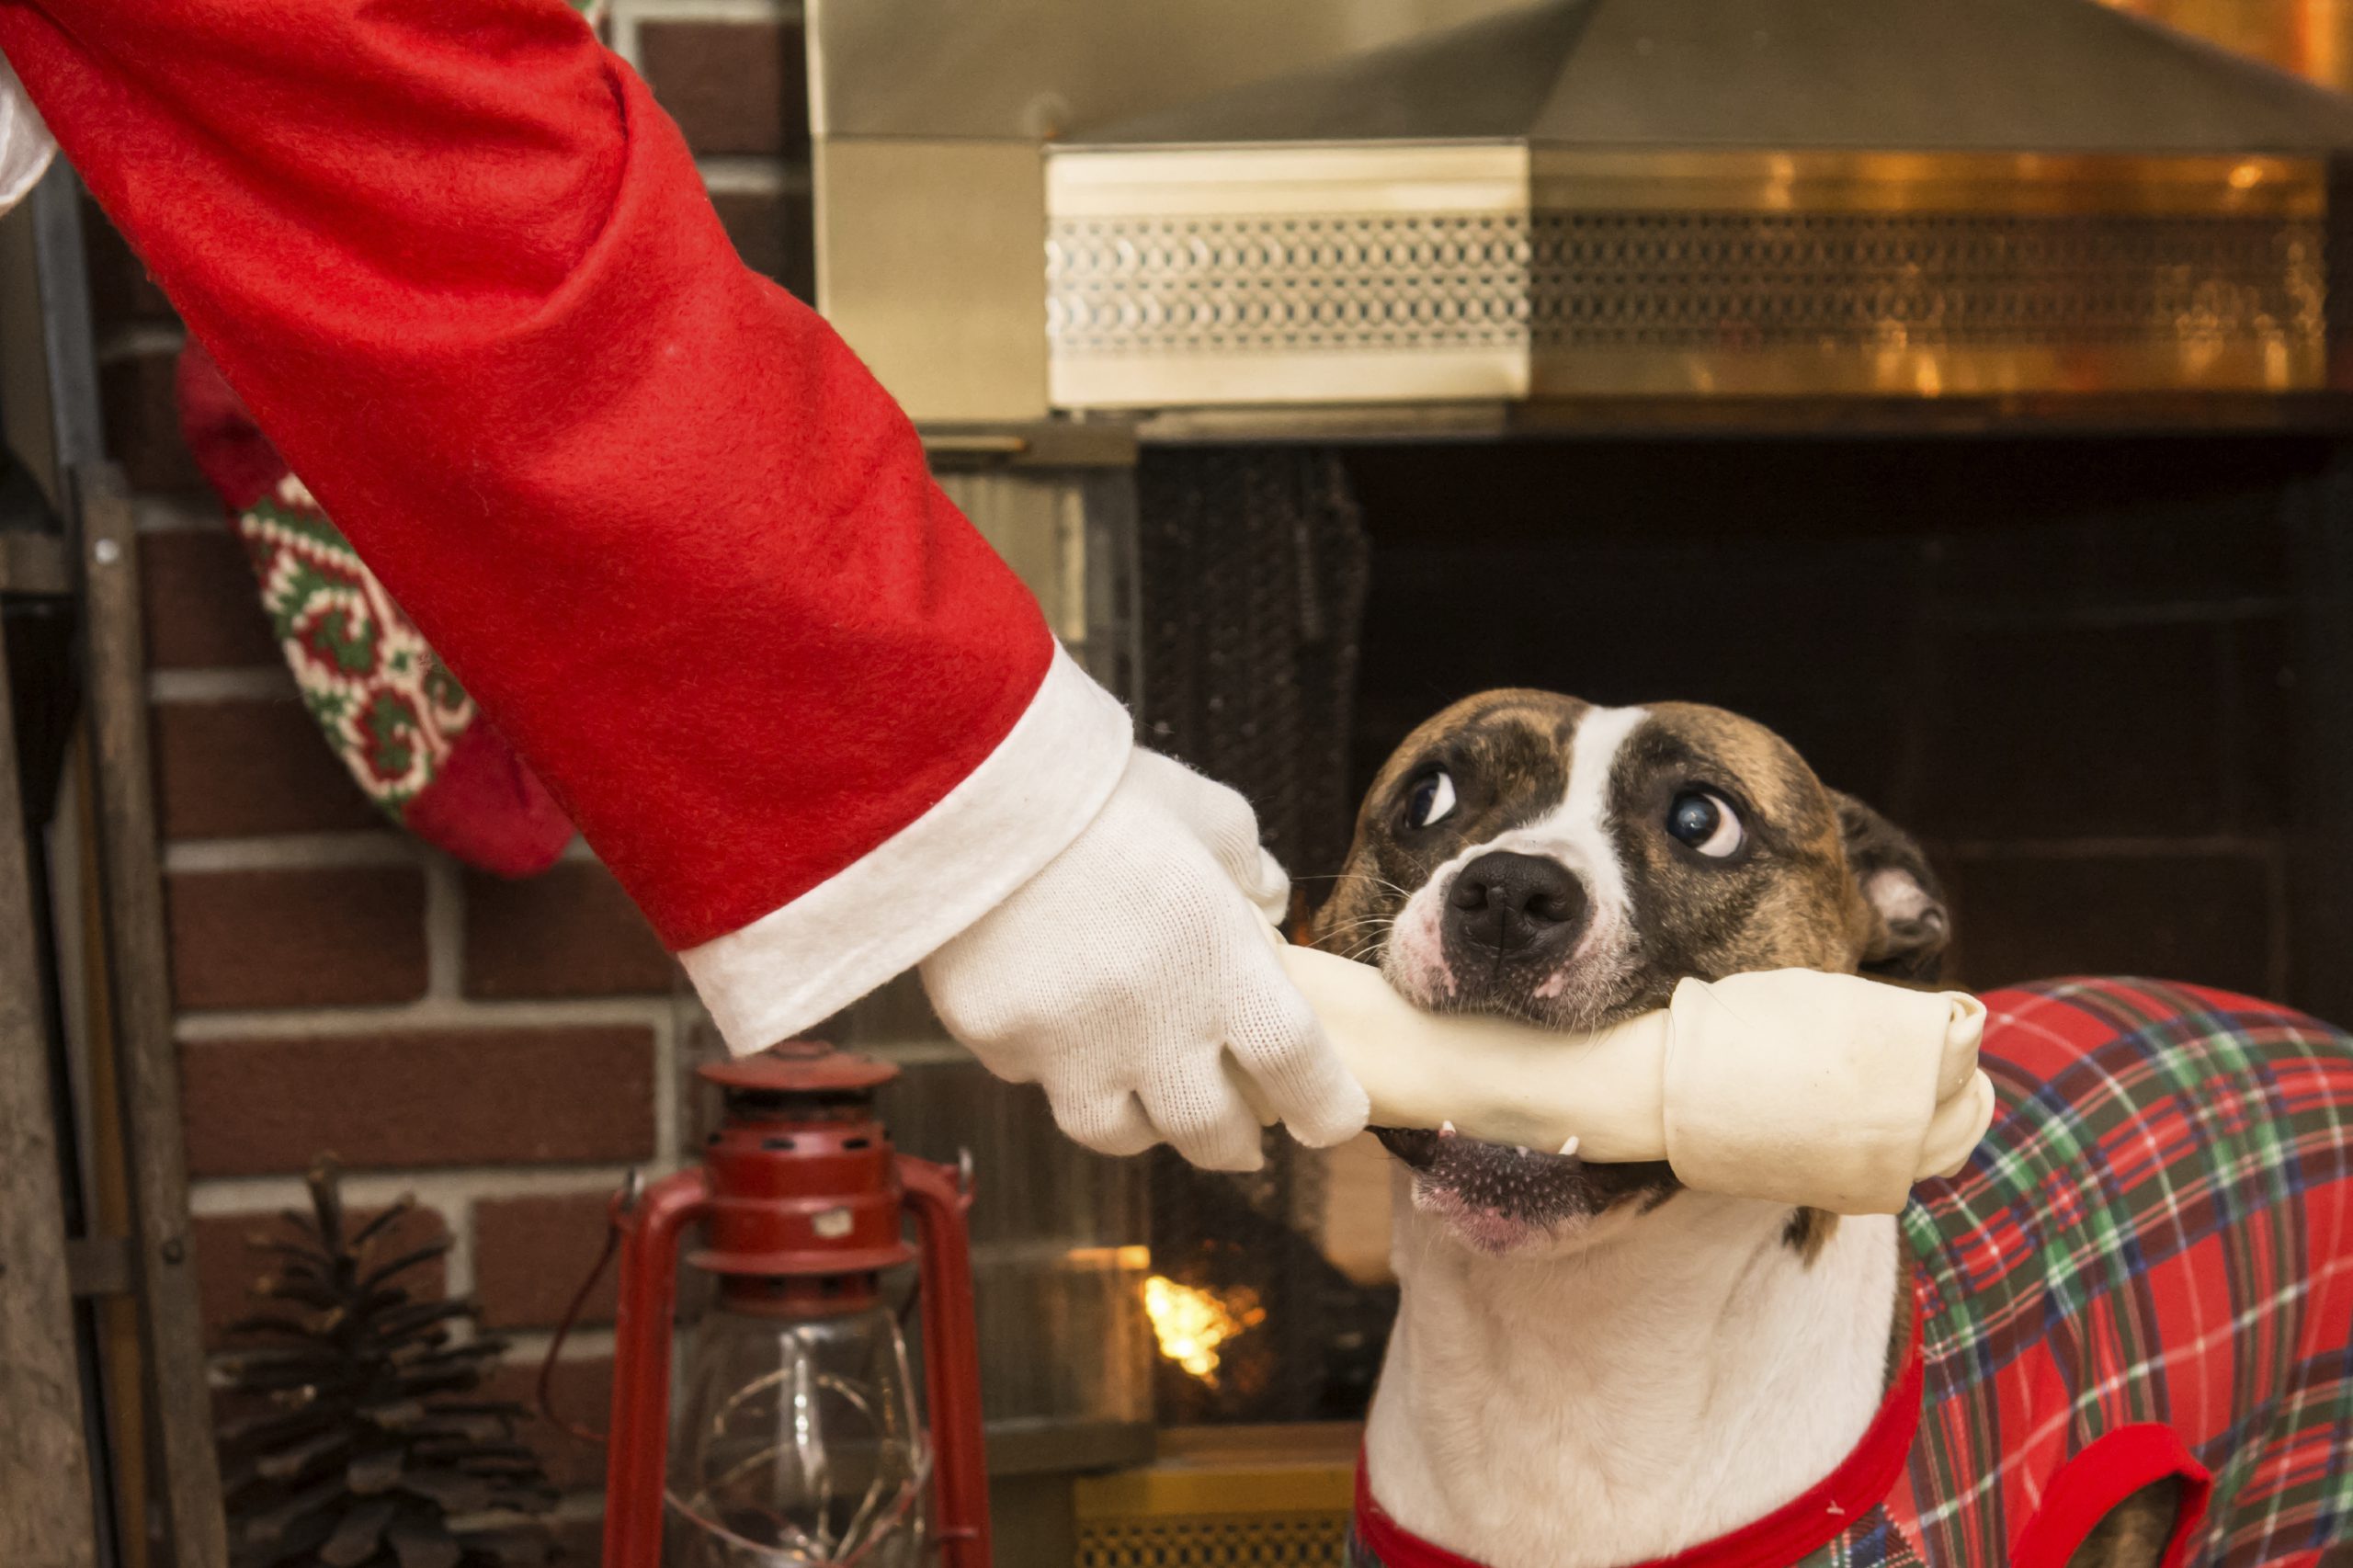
[(1706, 823), (1432, 800)]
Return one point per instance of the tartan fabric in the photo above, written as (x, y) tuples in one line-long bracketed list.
[(2145, 1268), (2158, 1229)]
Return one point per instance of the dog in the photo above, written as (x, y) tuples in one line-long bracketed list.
[(2117, 1339)]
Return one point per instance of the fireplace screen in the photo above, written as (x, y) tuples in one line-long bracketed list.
[(1252, 563), (2084, 669)]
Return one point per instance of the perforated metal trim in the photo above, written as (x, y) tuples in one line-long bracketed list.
[(1279, 308), (1726, 280), (1145, 284)]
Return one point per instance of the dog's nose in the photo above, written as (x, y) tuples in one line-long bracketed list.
[(1508, 904)]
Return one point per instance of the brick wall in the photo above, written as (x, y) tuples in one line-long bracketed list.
[(505, 1050)]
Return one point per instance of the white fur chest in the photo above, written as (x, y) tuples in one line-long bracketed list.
[(1650, 1386)]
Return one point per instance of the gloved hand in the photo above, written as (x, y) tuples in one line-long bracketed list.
[(1121, 974)]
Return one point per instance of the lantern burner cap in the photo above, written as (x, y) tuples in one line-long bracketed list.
[(801, 1067)]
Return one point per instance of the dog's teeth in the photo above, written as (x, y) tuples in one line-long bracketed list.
[(1446, 1129), (1521, 1149), (1569, 1148)]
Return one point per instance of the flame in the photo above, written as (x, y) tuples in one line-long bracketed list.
[(1191, 1323)]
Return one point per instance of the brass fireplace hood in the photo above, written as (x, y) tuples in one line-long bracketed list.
[(1599, 198), (1581, 203)]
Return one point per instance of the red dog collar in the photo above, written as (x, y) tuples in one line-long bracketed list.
[(1787, 1535)]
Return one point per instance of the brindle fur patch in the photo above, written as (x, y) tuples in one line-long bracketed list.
[(1809, 1231), (1508, 752), (1788, 901), (1793, 898)]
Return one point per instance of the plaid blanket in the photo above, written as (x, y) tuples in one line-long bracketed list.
[(2146, 1269)]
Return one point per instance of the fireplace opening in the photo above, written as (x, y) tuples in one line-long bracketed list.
[(2076, 666), (2069, 665)]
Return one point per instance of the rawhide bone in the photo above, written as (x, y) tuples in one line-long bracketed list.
[(1825, 1090)]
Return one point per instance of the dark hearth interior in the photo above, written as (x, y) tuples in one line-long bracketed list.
[(2069, 664), (2096, 674)]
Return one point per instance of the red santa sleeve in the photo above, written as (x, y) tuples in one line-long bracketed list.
[(665, 528)]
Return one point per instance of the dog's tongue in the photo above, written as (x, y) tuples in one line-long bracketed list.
[(1495, 1177)]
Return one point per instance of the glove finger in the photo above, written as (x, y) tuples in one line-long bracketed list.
[(1204, 1118), (1108, 1124), (1272, 891), (1279, 1043), (1225, 825)]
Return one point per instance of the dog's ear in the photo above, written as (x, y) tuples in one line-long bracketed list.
[(1911, 927)]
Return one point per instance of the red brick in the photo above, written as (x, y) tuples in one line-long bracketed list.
[(142, 423), (234, 770), (532, 1254), (402, 1098), (581, 1392), (229, 1263), (732, 86), (774, 236), (121, 289), (202, 606), (297, 939), (568, 932)]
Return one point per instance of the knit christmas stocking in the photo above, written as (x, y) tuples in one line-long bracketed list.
[(401, 723)]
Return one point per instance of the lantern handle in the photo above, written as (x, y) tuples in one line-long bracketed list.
[(645, 1314), (632, 1187), (951, 1354)]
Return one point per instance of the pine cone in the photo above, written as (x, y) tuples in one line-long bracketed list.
[(366, 1451)]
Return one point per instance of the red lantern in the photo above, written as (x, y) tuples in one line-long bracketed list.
[(798, 1437)]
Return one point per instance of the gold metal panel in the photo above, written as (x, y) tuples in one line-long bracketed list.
[(928, 117), (1264, 1486), (1216, 1540), (927, 265), (1932, 371), (1204, 278), (1400, 178), (2009, 183), (1223, 1497), (1192, 276), (1208, 378), (1680, 414), (2312, 38)]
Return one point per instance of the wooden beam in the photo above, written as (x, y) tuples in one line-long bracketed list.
[(46, 1520), (138, 985)]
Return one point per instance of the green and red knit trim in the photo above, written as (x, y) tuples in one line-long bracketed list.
[(387, 705)]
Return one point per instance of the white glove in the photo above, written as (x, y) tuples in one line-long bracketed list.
[(1122, 975), (26, 146)]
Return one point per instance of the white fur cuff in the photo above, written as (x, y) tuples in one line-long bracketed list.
[(882, 914)]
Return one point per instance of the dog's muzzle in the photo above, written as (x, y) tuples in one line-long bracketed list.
[(1515, 907)]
